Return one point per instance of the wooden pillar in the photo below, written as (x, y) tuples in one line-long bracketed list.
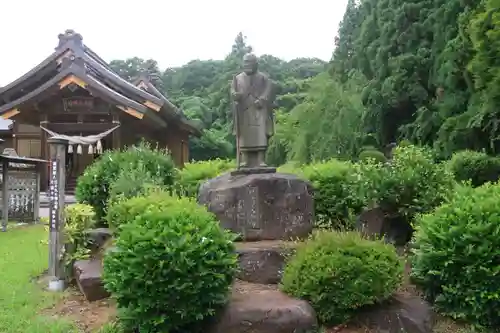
[(44, 180), (117, 133), (15, 130), (56, 210), (5, 194), (38, 170)]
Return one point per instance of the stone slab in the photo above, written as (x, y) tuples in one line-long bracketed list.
[(88, 275), (258, 308), (269, 206), (264, 261), (401, 313)]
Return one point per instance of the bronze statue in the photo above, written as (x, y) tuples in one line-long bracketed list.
[(252, 93)]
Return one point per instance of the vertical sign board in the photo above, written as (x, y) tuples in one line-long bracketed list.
[(58, 147), (54, 196)]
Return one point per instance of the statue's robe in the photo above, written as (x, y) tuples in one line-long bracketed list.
[(253, 126)]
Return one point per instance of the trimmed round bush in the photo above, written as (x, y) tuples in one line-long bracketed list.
[(173, 266), (189, 178), (457, 255), (93, 187), (123, 211), (340, 272), (476, 167), (134, 180), (334, 202)]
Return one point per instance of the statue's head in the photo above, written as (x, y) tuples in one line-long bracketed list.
[(250, 63)]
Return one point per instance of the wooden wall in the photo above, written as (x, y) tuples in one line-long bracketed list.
[(27, 141)]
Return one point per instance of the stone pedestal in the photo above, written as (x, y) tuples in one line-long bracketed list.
[(268, 210), (261, 206)]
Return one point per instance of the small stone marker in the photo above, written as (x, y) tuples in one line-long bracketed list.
[(56, 211)]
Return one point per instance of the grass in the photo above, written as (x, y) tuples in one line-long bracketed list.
[(23, 256)]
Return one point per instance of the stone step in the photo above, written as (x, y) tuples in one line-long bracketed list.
[(88, 276), (259, 308), (263, 261)]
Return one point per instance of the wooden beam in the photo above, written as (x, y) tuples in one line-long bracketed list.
[(11, 113), (132, 112), (117, 133), (79, 127), (72, 79), (152, 106)]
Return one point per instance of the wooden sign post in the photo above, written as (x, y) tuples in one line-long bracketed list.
[(58, 148)]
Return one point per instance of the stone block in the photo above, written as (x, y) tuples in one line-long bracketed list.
[(401, 313), (266, 206), (98, 237), (376, 223), (257, 308), (264, 261), (88, 278)]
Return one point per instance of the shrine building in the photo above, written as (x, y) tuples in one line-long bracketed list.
[(74, 92)]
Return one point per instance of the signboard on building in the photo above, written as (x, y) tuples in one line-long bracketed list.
[(78, 104)]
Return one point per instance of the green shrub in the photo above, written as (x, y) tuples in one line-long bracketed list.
[(123, 211), (476, 167), (78, 219), (94, 185), (341, 272), (456, 255), (376, 155), (334, 202), (132, 181), (194, 174), (173, 267), (411, 183)]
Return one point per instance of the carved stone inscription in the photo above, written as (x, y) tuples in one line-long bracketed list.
[(261, 206)]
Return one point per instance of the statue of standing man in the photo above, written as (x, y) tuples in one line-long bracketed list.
[(252, 93)]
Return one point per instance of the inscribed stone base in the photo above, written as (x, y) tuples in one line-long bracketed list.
[(267, 206)]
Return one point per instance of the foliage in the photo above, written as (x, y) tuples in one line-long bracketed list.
[(133, 180), (124, 211), (93, 187), (456, 255), (79, 218), (372, 154), (339, 273), (411, 183), (476, 167), (189, 178), (327, 123), (172, 249), (334, 201), (425, 71), (23, 303)]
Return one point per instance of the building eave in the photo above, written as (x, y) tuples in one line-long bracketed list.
[(121, 84), (20, 83), (169, 109), (75, 74)]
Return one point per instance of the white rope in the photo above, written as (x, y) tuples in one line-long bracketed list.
[(81, 140)]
